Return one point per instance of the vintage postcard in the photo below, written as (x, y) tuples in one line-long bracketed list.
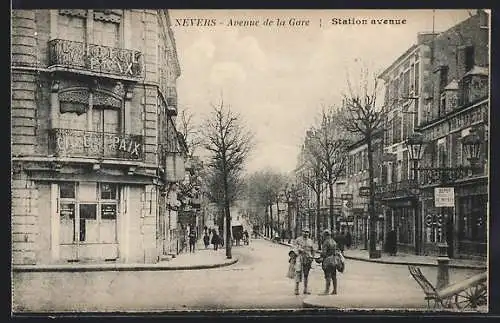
[(214, 160)]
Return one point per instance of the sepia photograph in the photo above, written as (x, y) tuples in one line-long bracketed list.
[(184, 160)]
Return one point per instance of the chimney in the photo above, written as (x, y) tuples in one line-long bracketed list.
[(425, 37)]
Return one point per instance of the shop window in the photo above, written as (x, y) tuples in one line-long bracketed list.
[(88, 223), (67, 223), (473, 218), (88, 213)]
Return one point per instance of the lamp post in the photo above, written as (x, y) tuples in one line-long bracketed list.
[(472, 148), (414, 144)]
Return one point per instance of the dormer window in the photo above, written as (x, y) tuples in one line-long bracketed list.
[(475, 84), (450, 96)]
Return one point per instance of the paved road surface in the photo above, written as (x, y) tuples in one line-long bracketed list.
[(257, 281)]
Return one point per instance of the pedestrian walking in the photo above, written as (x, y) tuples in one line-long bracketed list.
[(340, 240), (206, 240), (328, 261), (192, 241), (348, 239), (392, 243), (220, 238), (305, 247), (215, 240)]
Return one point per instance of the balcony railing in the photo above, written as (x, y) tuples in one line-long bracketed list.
[(95, 58), (396, 190), (91, 144)]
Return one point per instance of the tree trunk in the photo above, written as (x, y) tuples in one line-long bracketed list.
[(318, 217), (330, 207), (228, 217), (278, 215), (371, 206), (266, 222), (271, 215)]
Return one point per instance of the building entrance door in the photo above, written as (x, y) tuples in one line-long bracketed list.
[(88, 221)]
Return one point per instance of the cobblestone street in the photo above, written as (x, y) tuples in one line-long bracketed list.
[(256, 281)]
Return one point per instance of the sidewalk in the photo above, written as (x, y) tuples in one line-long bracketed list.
[(407, 259), (200, 259)]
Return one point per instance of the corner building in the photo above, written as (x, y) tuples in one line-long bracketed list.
[(93, 119)]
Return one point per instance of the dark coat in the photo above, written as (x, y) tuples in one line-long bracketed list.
[(215, 239)]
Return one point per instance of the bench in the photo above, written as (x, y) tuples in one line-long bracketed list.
[(467, 294)]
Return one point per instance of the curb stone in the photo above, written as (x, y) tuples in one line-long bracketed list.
[(30, 268)]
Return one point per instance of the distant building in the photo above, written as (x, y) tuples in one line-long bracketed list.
[(93, 128)]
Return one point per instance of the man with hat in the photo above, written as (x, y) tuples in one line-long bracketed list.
[(329, 249), (304, 245)]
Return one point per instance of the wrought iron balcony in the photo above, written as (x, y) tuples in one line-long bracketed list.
[(95, 58), (91, 144), (396, 190)]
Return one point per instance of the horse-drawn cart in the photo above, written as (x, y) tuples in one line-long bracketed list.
[(468, 294)]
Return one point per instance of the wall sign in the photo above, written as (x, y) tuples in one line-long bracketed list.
[(346, 196), (364, 191), (444, 197), (108, 211), (77, 143)]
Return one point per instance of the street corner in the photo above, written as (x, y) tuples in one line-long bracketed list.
[(360, 301)]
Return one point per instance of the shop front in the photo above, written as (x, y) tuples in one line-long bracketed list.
[(95, 217), (401, 217), (463, 227), (472, 219)]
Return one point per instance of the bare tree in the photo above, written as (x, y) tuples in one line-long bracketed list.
[(309, 174), (214, 187), (327, 147), (229, 144), (362, 115), (266, 186), (189, 131)]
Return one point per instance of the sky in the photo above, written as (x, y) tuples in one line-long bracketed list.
[(278, 78)]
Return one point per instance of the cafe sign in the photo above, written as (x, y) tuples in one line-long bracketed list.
[(76, 143)]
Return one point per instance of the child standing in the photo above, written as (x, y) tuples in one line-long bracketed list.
[(295, 269)]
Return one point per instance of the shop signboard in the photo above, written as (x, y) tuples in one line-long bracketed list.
[(444, 197), (108, 211), (346, 196), (364, 191)]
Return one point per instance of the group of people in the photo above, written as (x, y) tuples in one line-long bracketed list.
[(303, 254), (216, 240)]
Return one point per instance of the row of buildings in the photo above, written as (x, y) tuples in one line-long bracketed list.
[(440, 88), (96, 157)]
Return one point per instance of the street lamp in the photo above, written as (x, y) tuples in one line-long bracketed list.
[(472, 147)]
